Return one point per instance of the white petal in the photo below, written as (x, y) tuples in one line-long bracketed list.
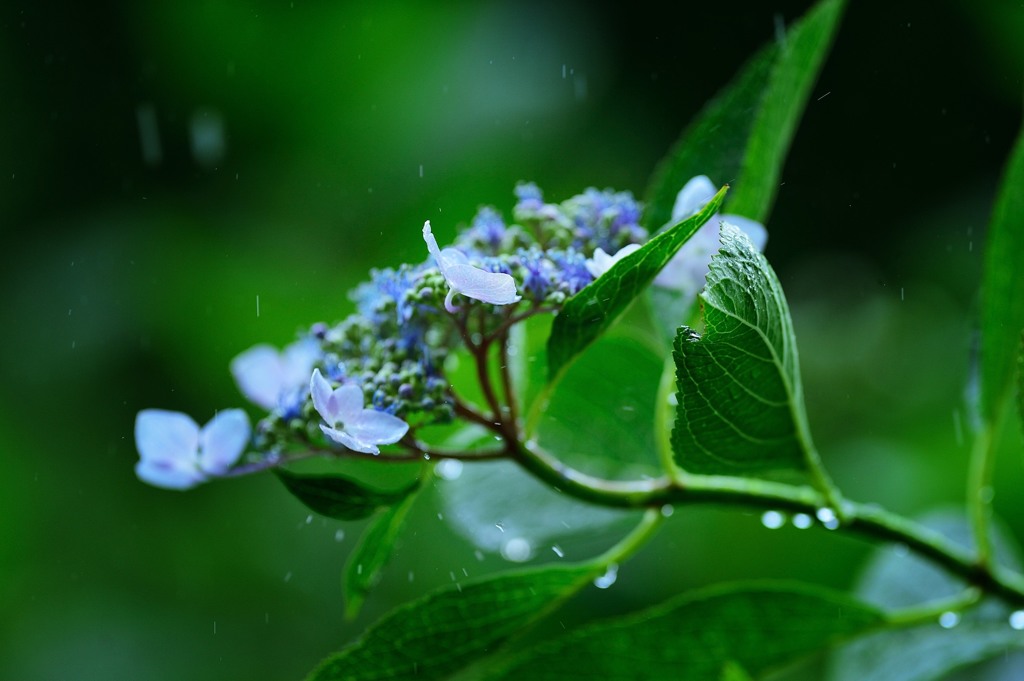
[(320, 390), (432, 247), (377, 427), (453, 256), (497, 288), (692, 197), (602, 262), (755, 230), (260, 375), (343, 438), (223, 440), (169, 474), (347, 402), (166, 437)]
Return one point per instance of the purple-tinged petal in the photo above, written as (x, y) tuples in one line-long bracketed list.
[(433, 248), (166, 436), (320, 390), (260, 375), (692, 197), (223, 440), (343, 438), (169, 474), (377, 427)]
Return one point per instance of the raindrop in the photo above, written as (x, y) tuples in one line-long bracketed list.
[(426, 457), (773, 520), (901, 550), (608, 578), (500, 527), (410, 575), (987, 494), (288, 576), (359, 569), (448, 469), (949, 619), (558, 551), (440, 516), (309, 519), (517, 550), (479, 555), (802, 521), (667, 510), (1017, 620), (339, 535), (827, 517)]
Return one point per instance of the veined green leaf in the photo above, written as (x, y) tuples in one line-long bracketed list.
[(441, 633), (590, 312), (929, 652), (730, 632), (1002, 288), (336, 496), (373, 551), (743, 134), (740, 402)]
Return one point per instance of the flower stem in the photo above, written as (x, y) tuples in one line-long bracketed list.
[(861, 519)]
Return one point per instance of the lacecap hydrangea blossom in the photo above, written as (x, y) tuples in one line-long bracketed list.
[(380, 375)]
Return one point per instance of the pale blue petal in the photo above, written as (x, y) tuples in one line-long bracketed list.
[(343, 438), (297, 362), (169, 474), (320, 390), (692, 197), (223, 440), (260, 375), (687, 270), (347, 402), (753, 229), (497, 288), (166, 437), (377, 427)]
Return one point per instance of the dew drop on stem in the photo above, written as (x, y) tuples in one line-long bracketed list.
[(608, 578), (773, 520)]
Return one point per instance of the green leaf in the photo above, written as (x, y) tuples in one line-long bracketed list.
[(443, 632), (740, 402), (743, 134), (362, 571), (590, 312), (714, 633), (1002, 288), (1020, 380), (336, 496), (896, 579)]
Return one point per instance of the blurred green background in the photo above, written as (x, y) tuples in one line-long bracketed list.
[(183, 180)]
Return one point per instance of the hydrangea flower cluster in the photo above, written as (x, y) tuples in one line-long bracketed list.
[(377, 376)]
